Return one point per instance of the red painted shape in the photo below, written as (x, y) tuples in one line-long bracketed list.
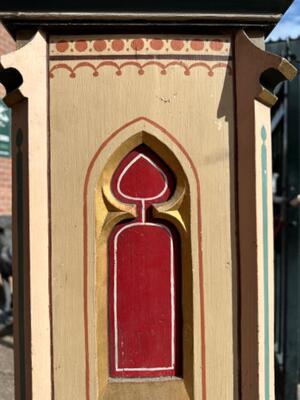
[(81, 45), (137, 44), (142, 179), (62, 46), (177, 44), (118, 44), (197, 44), (216, 45), (156, 44), (144, 294), (100, 45)]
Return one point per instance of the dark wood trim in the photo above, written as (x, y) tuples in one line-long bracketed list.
[(21, 253), (144, 16), (238, 369), (203, 57), (133, 27)]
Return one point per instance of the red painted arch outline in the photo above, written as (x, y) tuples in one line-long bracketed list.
[(85, 249), (140, 67)]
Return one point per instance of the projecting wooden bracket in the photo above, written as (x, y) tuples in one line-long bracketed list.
[(257, 65)]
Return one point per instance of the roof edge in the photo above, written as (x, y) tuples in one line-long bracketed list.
[(114, 16)]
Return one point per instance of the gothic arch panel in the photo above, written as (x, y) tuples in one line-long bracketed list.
[(124, 213)]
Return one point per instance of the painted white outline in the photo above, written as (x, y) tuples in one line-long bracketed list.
[(123, 173), (172, 293), (172, 289)]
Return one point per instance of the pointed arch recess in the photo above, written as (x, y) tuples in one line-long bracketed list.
[(131, 212)]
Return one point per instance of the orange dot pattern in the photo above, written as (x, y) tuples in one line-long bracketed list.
[(144, 45)]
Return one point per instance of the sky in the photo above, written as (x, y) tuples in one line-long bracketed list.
[(289, 26)]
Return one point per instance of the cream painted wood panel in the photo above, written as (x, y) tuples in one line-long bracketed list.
[(185, 85)]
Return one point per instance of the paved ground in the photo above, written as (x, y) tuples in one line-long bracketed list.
[(6, 368)]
